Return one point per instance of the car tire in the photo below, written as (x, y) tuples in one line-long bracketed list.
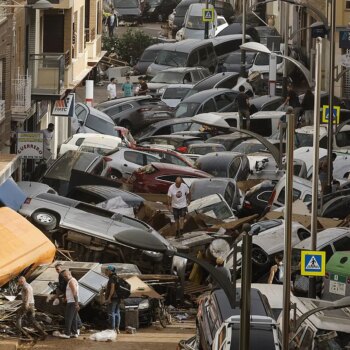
[(259, 257), (115, 175), (45, 220)]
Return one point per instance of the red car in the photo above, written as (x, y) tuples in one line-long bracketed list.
[(157, 177)]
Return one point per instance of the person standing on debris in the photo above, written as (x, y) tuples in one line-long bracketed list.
[(292, 100), (277, 271), (243, 107), (143, 88), (112, 301), (27, 309), (111, 23), (62, 283), (112, 89), (128, 87), (178, 199), (223, 271), (48, 135), (72, 307)]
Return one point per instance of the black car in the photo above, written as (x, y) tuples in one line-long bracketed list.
[(179, 142), (136, 113), (159, 9), (338, 207), (232, 62), (225, 164), (236, 28), (265, 103), (230, 141), (256, 200), (94, 194), (128, 10), (212, 100), (226, 187), (218, 324)]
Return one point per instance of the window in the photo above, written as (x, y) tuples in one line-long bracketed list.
[(187, 78), (193, 59), (180, 127), (329, 251), (165, 130), (231, 122), (264, 196), (222, 101), (343, 138), (79, 141), (134, 157), (203, 54), (80, 112), (209, 106), (172, 58), (150, 159), (347, 4), (81, 30), (148, 56), (281, 197), (196, 76), (307, 198), (100, 125), (234, 167), (168, 178), (343, 244)]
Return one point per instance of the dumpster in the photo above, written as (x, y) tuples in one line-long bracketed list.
[(337, 279)]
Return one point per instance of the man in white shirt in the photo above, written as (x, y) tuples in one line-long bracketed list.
[(48, 137), (178, 199), (112, 89), (27, 309)]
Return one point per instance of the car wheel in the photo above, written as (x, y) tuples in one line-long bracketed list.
[(115, 175), (44, 220), (259, 257)]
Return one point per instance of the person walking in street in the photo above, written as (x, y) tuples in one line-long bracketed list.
[(292, 100), (223, 270), (48, 135), (243, 107), (112, 89), (128, 87), (72, 307), (277, 271), (178, 199), (112, 22), (113, 303), (143, 88), (27, 309), (308, 107)]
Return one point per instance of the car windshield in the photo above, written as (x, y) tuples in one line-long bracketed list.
[(235, 58), (218, 210), (126, 3), (147, 131), (186, 109), (175, 93), (171, 58), (218, 169), (206, 149), (100, 125), (195, 22), (148, 56), (263, 59), (168, 78), (303, 140), (247, 148)]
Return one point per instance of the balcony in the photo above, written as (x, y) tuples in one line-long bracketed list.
[(47, 71), (21, 99), (2, 110)]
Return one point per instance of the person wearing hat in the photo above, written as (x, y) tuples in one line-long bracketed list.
[(112, 301), (223, 270), (143, 88)]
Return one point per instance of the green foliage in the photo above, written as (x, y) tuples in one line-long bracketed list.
[(130, 44)]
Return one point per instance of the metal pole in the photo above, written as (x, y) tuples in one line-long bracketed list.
[(206, 24), (285, 53), (244, 336), (244, 27), (288, 228), (331, 95), (314, 206)]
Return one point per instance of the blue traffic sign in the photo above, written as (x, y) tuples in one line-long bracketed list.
[(336, 114), (313, 263)]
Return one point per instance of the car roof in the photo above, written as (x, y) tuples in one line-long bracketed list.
[(106, 191), (186, 45), (158, 46), (324, 237), (257, 305), (225, 155), (225, 38), (203, 95), (212, 80), (261, 100)]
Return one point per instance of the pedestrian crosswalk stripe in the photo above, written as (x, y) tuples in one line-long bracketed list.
[(313, 264)]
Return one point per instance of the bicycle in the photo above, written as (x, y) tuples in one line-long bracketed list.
[(160, 312)]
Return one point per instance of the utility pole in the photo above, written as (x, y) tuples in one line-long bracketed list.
[(290, 119), (316, 150), (285, 53), (331, 95), (244, 27), (206, 24)]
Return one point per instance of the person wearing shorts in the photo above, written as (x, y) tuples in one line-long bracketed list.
[(178, 199)]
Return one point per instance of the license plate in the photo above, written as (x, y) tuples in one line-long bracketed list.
[(337, 288)]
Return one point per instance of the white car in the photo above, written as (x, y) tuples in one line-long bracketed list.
[(220, 25), (174, 93), (74, 142), (261, 63), (100, 145)]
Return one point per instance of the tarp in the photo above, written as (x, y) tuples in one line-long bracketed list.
[(11, 195)]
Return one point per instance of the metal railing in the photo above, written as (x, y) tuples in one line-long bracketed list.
[(47, 72), (2, 110), (21, 99)]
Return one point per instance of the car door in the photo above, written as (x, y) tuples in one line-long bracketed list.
[(131, 162), (227, 102)]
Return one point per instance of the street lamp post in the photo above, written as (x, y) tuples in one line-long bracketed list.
[(244, 28), (206, 23), (286, 35)]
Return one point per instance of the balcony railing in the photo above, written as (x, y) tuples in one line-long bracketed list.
[(2, 110), (21, 99), (90, 34), (4, 11), (47, 71)]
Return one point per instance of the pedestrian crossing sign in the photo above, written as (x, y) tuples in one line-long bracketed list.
[(325, 114), (313, 263), (208, 15)]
